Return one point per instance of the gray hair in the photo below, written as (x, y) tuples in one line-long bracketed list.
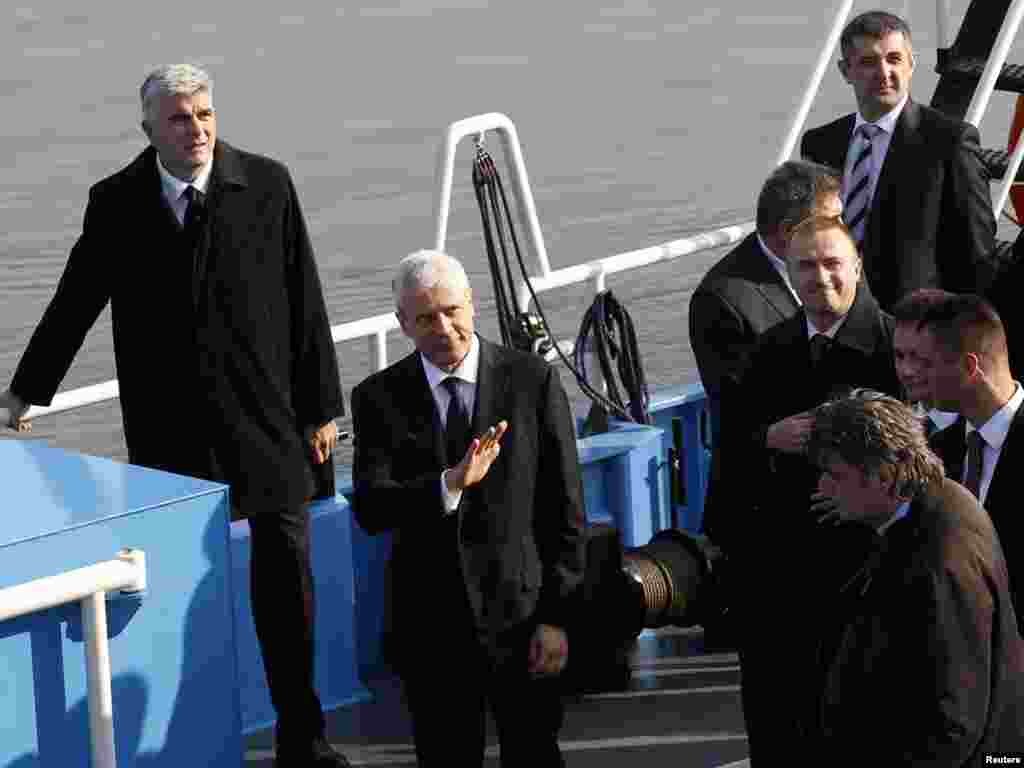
[(427, 269), (172, 80)]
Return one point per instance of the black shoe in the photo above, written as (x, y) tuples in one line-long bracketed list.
[(319, 754)]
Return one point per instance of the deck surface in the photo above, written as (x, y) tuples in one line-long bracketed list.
[(680, 707)]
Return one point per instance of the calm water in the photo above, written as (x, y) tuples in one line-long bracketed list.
[(641, 122)]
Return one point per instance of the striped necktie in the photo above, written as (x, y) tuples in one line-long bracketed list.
[(975, 458), (858, 194)]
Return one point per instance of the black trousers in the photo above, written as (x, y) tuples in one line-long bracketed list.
[(283, 611), (449, 696)]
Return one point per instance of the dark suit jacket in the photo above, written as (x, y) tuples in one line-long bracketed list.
[(223, 354), (926, 666), (1002, 502), (769, 492), (519, 531), (738, 299), (931, 221)]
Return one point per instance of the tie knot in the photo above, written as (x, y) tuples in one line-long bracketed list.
[(452, 385), (192, 195), (975, 439), (868, 131), (820, 345)]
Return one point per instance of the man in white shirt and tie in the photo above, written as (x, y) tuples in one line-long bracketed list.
[(965, 344), (916, 197)]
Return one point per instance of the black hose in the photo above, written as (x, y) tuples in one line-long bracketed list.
[(514, 326)]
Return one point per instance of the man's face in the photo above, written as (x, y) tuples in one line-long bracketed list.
[(912, 366), (947, 374), (860, 497), (879, 69), (824, 268), (184, 132), (439, 321)]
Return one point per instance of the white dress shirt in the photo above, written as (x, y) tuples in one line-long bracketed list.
[(466, 372), (879, 146), (780, 267), (831, 331), (993, 435), (174, 188)]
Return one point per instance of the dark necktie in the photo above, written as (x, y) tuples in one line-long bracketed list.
[(820, 345), (975, 452), (193, 211), (456, 428), (858, 195)]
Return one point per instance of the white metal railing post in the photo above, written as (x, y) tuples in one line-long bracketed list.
[(994, 67), (942, 25), (97, 668), (478, 125), (824, 59), (87, 586), (379, 350)]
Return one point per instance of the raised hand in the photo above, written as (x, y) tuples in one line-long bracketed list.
[(480, 454)]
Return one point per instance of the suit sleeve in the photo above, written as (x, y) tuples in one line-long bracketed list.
[(385, 496), (720, 345), (316, 382), (968, 228), (82, 293), (558, 508)]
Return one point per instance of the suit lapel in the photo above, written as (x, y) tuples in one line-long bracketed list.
[(424, 422), (771, 285), (489, 388), (893, 176), (1008, 463)]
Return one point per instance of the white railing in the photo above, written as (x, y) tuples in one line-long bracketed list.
[(88, 586)]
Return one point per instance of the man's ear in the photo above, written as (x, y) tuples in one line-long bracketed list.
[(844, 68)]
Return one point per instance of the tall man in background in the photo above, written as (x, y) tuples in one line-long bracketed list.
[(748, 292), (224, 355), (487, 549), (916, 197)]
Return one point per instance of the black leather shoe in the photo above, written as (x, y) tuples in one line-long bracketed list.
[(319, 754)]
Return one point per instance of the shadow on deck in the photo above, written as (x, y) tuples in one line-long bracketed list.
[(681, 707)]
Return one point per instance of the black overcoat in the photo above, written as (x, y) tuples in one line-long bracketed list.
[(223, 352)]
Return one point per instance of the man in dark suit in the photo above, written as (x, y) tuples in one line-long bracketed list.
[(224, 355), (748, 292), (839, 340), (920, 647), (487, 551), (916, 196), (964, 341)]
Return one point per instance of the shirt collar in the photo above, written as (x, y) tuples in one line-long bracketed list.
[(812, 329), (995, 430), (886, 122), (901, 511), (174, 187), (466, 371)]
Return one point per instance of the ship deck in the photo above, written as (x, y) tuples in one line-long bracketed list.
[(680, 706)]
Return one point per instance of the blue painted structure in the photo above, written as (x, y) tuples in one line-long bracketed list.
[(331, 552), (187, 674), (173, 666)]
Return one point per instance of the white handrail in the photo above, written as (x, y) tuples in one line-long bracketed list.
[(824, 58), (87, 586), (994, 67), (477, 126), (942, 17), (599, 269), (375, 329)]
